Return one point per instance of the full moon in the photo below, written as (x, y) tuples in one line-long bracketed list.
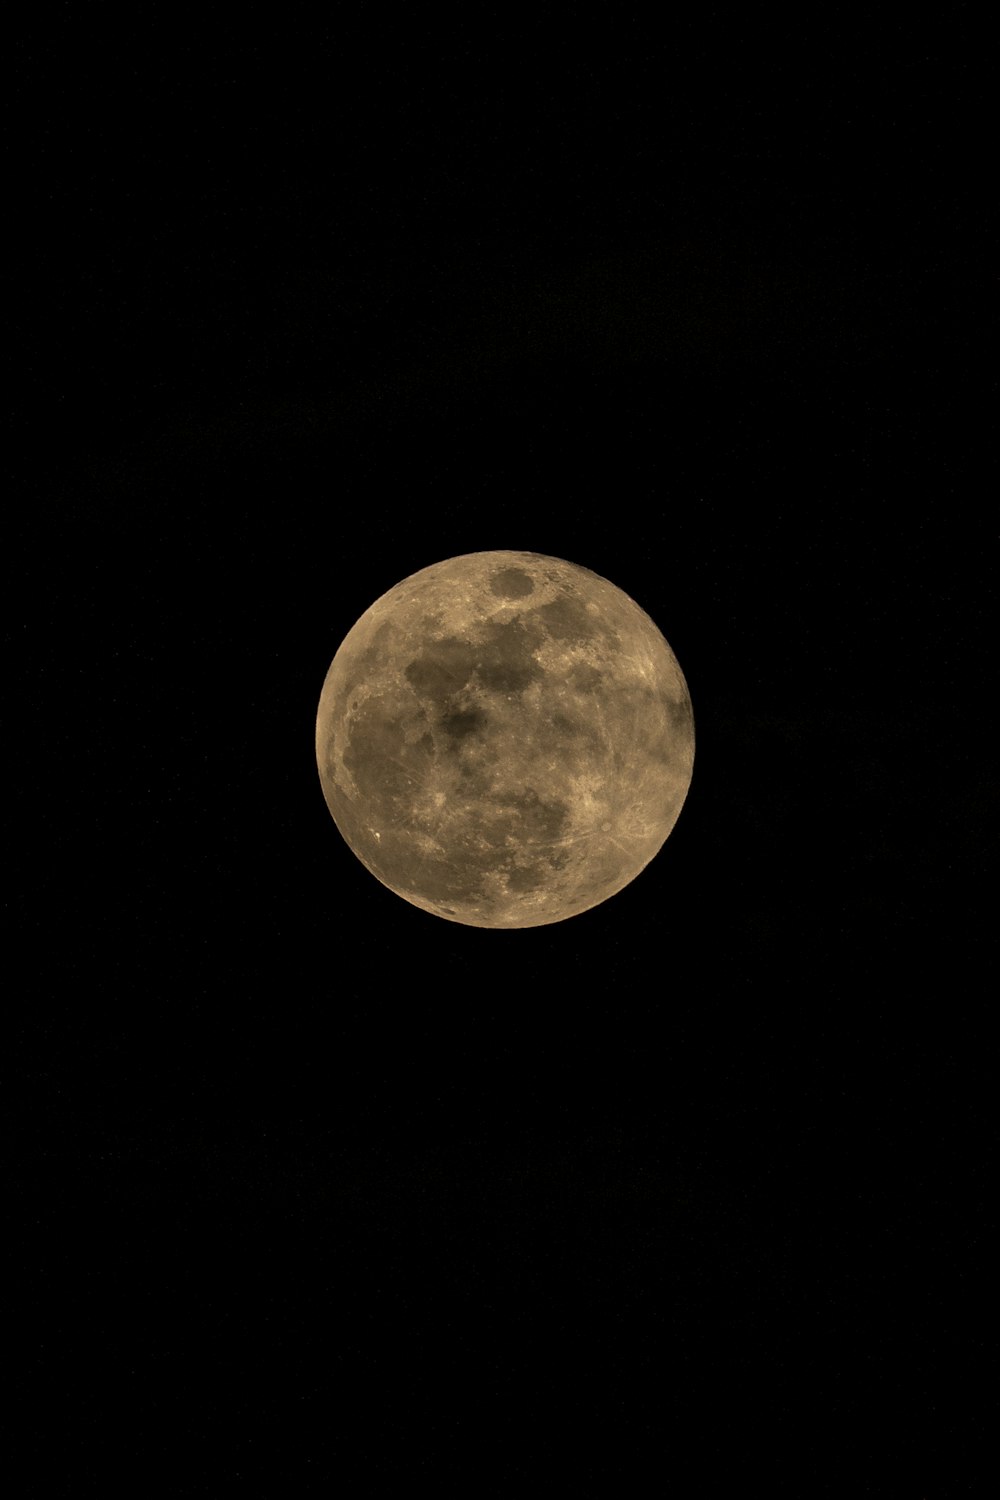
[(505, 739)]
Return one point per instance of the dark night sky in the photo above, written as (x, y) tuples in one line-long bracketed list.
[(309, 1184)]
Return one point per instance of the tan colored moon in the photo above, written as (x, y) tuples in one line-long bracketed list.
[(505, 739)]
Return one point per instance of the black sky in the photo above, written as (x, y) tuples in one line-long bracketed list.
[(309, 1184)]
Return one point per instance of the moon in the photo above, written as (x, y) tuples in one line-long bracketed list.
[(505, 739)]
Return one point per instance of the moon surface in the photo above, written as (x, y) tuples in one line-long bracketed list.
[(505, 739)]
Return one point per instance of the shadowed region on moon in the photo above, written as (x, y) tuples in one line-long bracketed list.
[(505, 739)]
